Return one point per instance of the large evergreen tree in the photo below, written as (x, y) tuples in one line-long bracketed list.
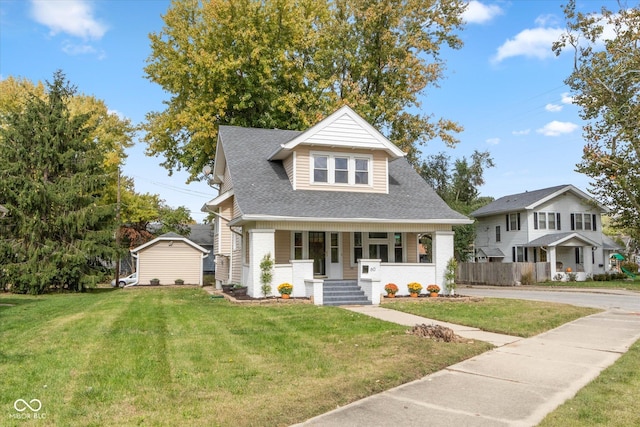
[(52, 177)]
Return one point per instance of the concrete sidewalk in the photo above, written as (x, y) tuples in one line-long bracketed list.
[(516, 384)]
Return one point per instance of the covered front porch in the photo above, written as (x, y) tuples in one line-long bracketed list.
[(571, 256), (310, 259)]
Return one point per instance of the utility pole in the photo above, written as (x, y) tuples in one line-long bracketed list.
[(118, 231)]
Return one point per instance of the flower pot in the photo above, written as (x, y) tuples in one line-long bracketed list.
[(391, 295), (227, 288), (434, 294), (414, 295), (239, 292), (155, 282), (179, 282), (285, 296)]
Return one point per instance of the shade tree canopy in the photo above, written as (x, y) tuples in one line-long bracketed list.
[(287, 64)]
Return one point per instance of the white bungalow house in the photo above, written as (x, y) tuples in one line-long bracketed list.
[(337, 206), (559, 225)]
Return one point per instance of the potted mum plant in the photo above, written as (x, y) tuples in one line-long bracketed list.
[(391, 289), (433, 290), (414, 289), (285, 290)]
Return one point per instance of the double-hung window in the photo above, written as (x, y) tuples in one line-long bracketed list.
[(341, 169)]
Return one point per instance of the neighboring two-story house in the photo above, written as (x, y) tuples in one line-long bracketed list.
[(559, 225), (338, 202)]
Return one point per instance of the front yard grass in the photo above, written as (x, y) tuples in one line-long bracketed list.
[(609, 400), (631, 285), (179, 357), (506, 316)]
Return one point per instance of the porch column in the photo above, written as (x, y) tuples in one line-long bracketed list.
[(261, 242), (551, 253), (588, 257), (442, 253)]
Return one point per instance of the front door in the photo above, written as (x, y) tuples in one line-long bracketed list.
[(317, 252)]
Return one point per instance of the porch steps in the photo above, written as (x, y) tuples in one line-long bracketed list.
[(343, 292)]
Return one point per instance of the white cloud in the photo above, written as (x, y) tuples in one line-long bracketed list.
[(493, 141), (72, 17), (556, 128), (531, 43), (546, 20), (566, 98), (479, 13), (521, 132), (553, 108)]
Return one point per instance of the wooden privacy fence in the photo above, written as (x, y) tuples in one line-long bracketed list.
[(502, 273)]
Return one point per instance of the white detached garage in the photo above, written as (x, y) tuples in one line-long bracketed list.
[(168, 258)]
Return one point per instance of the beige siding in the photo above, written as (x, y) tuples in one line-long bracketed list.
[(379, 171), (348, 272), (226, 209), (345, 131), (283, 246), (411, 246), (168, 263), (288, 167), (226, 184)]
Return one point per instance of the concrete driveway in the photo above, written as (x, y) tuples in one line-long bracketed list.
[(607, 299)]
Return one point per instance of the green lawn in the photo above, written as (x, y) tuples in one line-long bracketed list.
[(609, 400), (505, 316), (179, 357), (631, 285)]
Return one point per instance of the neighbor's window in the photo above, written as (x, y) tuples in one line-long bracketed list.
[(542, 220), (513, 221), (551, 221), (498, 237)]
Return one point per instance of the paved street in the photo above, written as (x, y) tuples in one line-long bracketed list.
[(607, 299)]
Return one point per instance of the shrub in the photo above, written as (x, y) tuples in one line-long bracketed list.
[(630, 266), (527, 278)]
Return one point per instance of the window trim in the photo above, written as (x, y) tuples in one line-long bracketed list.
[(331, 169)]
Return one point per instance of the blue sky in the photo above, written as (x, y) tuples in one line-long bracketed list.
[(505, 86)]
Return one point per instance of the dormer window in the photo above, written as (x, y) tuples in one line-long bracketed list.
[(341, 169)]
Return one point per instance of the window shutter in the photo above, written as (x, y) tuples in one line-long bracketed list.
[(513, 254), (518, 220), (558, 221), (577, 255), (526, 254), (593, 222), (535, 254), (507, 216), (535, 220), (573, 221)]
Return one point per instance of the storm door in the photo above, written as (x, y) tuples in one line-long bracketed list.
[(317, 252)]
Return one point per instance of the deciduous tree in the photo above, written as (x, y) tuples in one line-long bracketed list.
[(288, 63), (605, 83)]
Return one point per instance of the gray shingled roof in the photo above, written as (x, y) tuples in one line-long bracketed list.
[(262, 187), (201, 234), (552, 239), (516, 202)]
